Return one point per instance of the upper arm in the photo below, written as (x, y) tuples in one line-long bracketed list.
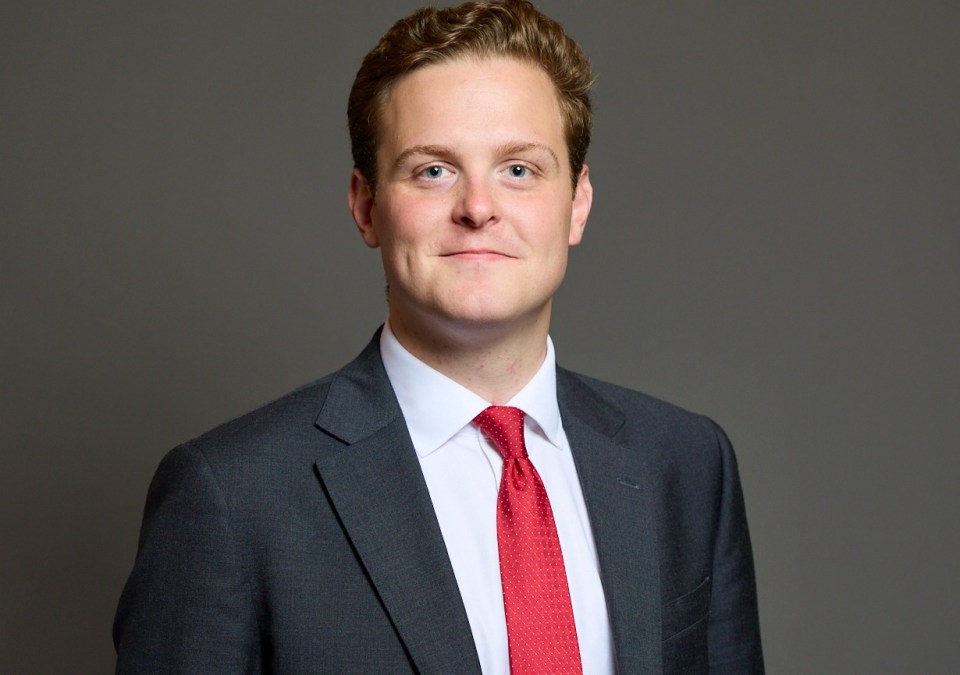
[(187, 605), (734, 631)]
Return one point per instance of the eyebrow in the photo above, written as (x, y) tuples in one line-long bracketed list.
[(506, 149), (434, 150), (520, 148)]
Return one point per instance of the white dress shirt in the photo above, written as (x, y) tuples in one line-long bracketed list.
[(462, 470)]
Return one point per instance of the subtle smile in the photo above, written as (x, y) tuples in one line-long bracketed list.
[(477, 254)]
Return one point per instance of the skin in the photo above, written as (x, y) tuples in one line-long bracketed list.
[(474, 215)]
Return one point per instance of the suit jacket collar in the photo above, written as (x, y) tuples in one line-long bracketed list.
[(375, 484)]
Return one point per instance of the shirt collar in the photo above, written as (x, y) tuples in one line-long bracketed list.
[(435, 407)]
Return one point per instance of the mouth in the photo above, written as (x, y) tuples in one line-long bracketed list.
[(477, 254)]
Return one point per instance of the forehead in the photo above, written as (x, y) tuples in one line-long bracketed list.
[(463, 98)]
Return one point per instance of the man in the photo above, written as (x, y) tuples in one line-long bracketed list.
[(451, 501)]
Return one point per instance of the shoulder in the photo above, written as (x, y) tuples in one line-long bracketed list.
[(287, 435), (634, 411), (255, 451), (270, 423), (290, 426), (676, 444)]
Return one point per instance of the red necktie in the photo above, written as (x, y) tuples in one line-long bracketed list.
[(541, 634)]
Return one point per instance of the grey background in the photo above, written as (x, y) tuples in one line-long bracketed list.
[(774, 243)]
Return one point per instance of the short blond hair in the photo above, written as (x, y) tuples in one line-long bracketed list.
[(509, 28)]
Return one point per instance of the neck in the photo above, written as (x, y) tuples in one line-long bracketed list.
[(493, 364)]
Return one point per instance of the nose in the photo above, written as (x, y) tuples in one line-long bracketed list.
[(476, 204)]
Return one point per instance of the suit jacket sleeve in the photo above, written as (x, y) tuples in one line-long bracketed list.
[(187, 606), (734, 632)]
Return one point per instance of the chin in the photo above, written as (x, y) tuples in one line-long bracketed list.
[(479, 308), (494, 318)]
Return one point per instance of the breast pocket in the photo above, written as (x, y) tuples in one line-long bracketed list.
[(683, 630)]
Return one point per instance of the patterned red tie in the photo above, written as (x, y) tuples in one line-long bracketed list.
[(541, 634)]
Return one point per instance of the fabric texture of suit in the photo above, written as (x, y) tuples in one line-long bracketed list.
[(301, 538)]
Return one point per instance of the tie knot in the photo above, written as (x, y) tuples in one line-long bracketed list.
[(503, 426)]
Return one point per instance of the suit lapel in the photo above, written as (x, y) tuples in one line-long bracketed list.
[(619, 493), (377, 488)]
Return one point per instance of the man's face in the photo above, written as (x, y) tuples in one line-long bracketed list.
[(474, 210)]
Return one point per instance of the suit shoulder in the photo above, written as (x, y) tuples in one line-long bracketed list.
[(630, 401), (285, 432), (629, 415), (270, 429)]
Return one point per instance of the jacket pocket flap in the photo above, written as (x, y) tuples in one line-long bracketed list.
[(685, 611)]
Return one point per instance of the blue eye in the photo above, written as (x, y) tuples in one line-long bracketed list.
[(433, 172), (518, 171)]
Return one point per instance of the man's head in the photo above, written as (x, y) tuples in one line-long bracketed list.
[(481, 187), (512, 29)]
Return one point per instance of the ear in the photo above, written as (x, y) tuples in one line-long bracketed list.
[(360, 200), (582, 200)]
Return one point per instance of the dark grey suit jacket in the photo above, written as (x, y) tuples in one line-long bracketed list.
[(301, 538)]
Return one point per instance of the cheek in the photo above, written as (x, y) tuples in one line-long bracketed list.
[(405, 221), (554, 230)]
